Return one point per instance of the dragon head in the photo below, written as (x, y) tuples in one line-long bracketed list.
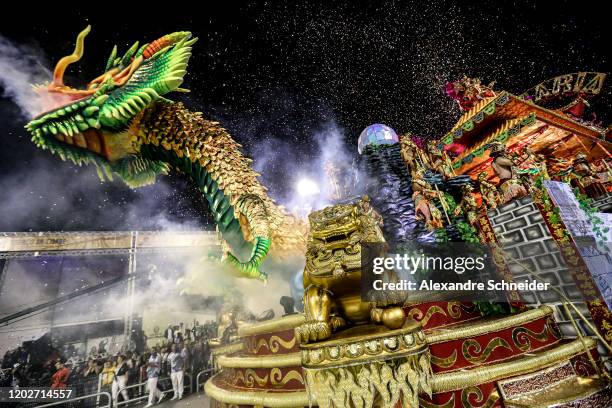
[(90, 125)]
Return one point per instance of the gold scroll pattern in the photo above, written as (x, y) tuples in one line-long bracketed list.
[(606, 318), (465, 399), (454, 309), (467, 392), (273, 344), (445, 362), (278, 380), (473, 345), (249, 378), (417, 314), (449, 404), (522, 336)]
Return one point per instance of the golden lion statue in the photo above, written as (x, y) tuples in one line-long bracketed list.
[(332, 276)]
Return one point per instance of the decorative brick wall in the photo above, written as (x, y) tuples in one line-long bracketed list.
[(603, 203), (522, 232)]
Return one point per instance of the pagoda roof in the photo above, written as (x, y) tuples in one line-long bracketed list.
[(509, 119)]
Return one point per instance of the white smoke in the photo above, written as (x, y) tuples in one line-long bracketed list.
[(49, 191), (165, 284), (331, 152), (21, 66), (331, 149)]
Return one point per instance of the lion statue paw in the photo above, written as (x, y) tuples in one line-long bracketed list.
[(313, 330)]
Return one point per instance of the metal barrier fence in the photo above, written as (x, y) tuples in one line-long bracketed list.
[(81, 387), (103, 398), (85, 397), (145, 395), (140, 395), (203, 372)]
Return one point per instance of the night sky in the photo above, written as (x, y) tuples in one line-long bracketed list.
[(277, 74)]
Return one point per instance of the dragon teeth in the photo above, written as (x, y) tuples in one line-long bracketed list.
[(132, 102), (100, 100), (122, 111), (68, 129), (93, 123), (82, 126), (89, 111), (79, 140), (115, 114)]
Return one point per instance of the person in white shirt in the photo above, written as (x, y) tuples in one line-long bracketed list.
[(169, 333), (153, 368), (120, 380), (177, 363)]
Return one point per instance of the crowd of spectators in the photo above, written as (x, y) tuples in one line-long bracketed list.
[(111, 373)]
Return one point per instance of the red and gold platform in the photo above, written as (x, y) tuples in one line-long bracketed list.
[(266, 369), (518, 360)]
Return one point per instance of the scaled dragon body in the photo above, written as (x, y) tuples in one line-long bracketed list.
[(123, 125)]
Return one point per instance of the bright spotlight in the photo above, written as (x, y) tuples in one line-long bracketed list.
[(306, 187)]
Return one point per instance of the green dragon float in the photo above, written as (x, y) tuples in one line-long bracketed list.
[(123, 124)]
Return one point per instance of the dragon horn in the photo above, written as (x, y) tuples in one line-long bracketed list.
[(166, 40), (60, 68)]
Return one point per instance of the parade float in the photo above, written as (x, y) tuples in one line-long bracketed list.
[(537, 351), (499, 177)]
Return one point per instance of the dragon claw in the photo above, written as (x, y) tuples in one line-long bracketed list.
[(250, 269)]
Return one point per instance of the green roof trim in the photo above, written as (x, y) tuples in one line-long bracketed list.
[(470, 124), (502, 137)]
